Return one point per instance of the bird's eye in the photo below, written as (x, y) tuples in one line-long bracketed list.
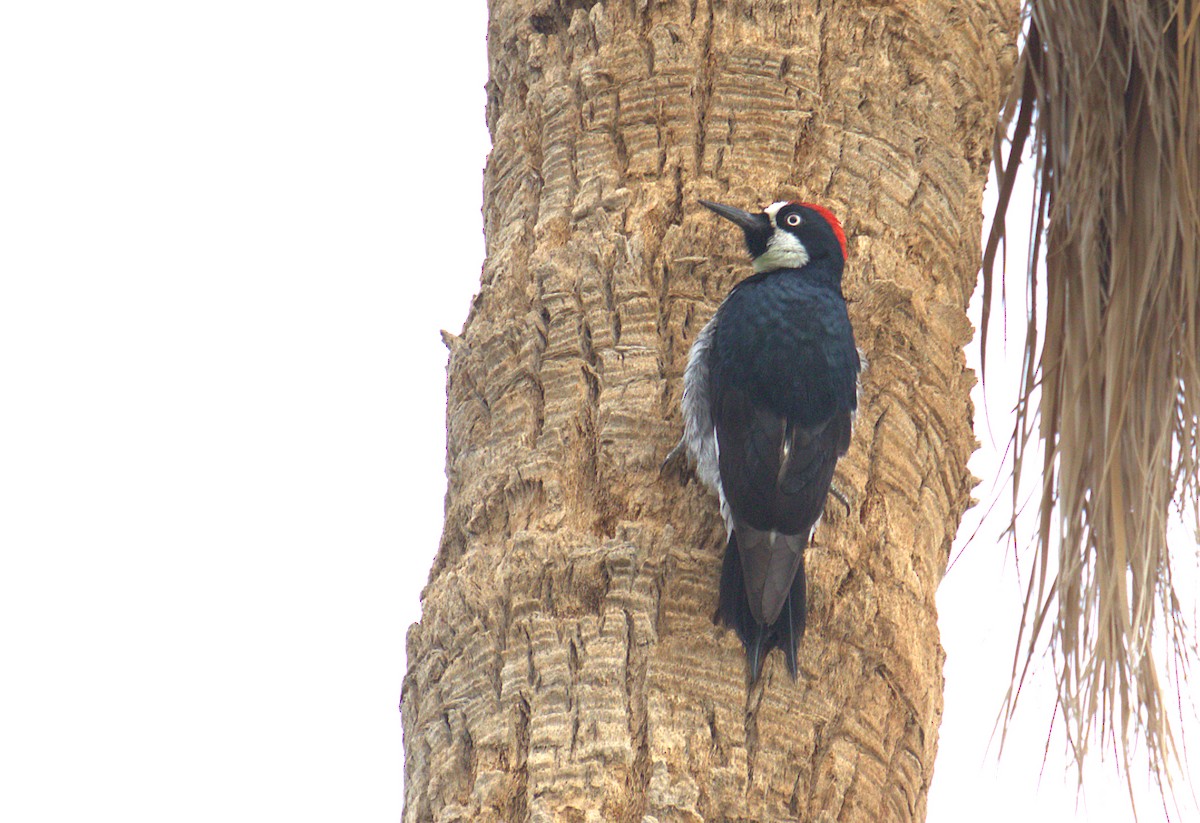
[(792, 220)]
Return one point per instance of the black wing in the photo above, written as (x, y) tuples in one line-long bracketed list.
[(775, 477), (775, 474)]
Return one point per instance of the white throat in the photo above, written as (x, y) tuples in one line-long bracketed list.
[(784, 249)]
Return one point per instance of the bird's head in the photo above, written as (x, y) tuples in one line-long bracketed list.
[(787, 235)]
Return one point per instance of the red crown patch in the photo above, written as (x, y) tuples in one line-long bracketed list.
[(833, 222)]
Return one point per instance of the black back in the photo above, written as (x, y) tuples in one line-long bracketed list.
[(784, 368)]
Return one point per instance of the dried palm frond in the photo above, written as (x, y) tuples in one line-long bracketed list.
[(1109, 93)]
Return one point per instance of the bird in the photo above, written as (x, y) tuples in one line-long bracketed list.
[(770, 393)]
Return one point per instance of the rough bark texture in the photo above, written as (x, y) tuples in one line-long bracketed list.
[(566, 666)]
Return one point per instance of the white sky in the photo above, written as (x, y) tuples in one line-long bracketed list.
[(225, 255)]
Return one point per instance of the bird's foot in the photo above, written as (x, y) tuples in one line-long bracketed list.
[(676, 463), (841, 498)]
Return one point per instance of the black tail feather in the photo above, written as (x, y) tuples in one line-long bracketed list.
[(794, 619), (733, 610), (755, 653)]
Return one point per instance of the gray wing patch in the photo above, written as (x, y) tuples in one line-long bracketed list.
[(699, 432)]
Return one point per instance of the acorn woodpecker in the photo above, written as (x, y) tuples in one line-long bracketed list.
[(769, 394)]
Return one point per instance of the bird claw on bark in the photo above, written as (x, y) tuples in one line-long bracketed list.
[(676, 463), (841, 499)]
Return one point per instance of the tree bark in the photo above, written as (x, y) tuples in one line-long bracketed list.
[(566, 666)]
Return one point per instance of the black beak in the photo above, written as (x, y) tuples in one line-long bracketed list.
[(748, 221), (757, 227)]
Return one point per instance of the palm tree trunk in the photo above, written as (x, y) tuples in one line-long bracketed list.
[(566, 667)]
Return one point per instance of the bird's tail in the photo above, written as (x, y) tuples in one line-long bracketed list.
[(733, 609)]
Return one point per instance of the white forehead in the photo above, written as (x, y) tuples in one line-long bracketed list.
[(773, 210)]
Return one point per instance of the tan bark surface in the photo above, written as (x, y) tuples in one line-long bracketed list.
[(566, 667)]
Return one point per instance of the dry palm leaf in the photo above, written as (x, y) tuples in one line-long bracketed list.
[(1109, 94)]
